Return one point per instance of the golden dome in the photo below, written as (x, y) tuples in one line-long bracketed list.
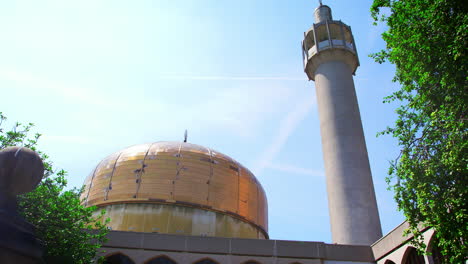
[(180, 188)]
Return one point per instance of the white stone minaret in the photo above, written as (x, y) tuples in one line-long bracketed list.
[(330, 59)]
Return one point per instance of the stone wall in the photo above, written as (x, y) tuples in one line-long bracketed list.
[(141, 247)]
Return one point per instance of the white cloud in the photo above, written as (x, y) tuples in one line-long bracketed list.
[(65, 139), (231, 78), (239, 109), (296, 170), (46, 86), (375, 33), (287, 127)]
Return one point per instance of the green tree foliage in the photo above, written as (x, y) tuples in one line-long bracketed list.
[(427, 42), (61, 222)]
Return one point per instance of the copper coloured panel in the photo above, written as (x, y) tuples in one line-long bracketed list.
[(175, 172), (96, 189), (244, 182), (224, 189), (262, 206)]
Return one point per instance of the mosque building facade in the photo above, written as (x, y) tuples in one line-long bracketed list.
[(176, 202)]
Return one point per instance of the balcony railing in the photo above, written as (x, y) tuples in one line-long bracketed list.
[(333, 34)]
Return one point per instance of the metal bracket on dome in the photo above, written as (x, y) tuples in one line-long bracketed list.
[(178, 169), (211, 174), (109, 187), (90, 184), (139, 172)]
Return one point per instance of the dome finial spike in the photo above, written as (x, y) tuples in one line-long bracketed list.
[(185, 136), (320, 2)]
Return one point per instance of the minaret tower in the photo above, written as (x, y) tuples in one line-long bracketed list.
[(330, 59)]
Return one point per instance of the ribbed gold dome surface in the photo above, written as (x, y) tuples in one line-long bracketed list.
[(176, 187)]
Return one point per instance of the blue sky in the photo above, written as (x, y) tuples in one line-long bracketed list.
[(98, 76)]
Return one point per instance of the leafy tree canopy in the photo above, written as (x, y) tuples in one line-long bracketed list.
[(61, 222), (427, 42)]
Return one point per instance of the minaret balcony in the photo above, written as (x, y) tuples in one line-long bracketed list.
[(329, 35), (335, 43)]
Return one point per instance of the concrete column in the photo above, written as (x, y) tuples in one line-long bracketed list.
[(354, 217), (353, 209)]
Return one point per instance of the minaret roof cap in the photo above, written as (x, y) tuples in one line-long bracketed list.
[(322, 13)]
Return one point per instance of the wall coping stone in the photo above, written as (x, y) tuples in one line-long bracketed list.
[(239, 246)]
